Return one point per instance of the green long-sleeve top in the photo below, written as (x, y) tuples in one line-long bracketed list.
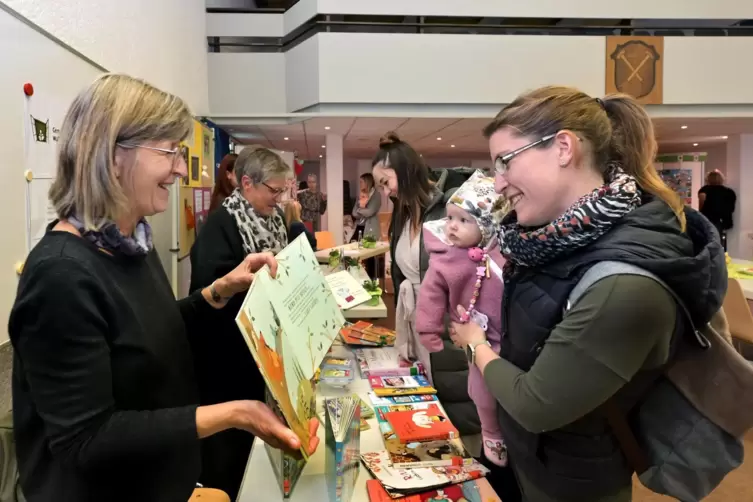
[(620, 325)]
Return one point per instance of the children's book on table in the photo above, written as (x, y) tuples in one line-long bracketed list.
[(289, 323), (342, 443), (401, 385)]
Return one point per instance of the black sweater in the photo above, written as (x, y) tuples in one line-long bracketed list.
[(104, 395), (225, 368)]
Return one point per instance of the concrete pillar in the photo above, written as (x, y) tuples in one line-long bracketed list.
[(332, 182), (739, 177)]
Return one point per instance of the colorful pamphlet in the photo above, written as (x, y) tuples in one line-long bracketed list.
[(342, 442), (347, 290), (401, 385), (385, 361), (470, 491), (429, 424), (448, 452), (289, 323), (390, 400), (400, 482)]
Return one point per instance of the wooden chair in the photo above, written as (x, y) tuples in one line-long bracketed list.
[(209, 495), (738, 314), (324, 240)]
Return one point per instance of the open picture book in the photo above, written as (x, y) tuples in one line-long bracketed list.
[(289, 323)]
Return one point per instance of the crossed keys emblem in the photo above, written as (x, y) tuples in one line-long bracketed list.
[(635, 68)]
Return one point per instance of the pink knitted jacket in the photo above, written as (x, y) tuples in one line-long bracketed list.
[(449, 282)]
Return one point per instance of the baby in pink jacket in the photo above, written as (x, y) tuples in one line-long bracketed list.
[(465, 268)]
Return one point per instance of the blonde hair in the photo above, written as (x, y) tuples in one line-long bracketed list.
[(616, 128), (292, 213), (113, 109), (260, 164)]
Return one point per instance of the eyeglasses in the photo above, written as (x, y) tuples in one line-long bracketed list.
[(275, 191), (167, 152), (501, 163)]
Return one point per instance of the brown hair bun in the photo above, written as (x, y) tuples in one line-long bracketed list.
[(389, 138)]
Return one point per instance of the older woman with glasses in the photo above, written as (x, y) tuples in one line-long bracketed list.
[(248, 221), (105, 400)]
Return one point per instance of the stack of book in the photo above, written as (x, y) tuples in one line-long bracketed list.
[(423, 456), (385, 361)]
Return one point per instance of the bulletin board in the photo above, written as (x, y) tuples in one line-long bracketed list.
[(683, 173), (195, 189)]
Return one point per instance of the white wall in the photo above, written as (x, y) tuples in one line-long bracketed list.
[(162, 41), (245, 25), (598, 9), (246, 82)]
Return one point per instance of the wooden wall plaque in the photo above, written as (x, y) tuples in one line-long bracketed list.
[(635, 66)]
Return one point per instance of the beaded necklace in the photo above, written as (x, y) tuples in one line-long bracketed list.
[(477, 255)]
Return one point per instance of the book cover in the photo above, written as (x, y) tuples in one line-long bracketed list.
[(366, 334), (399, 482), (385, 361), (401, 385), (289, 323), (347, 290), (428, 424), (448, 452), (390, 400), (342, 443), (470, 491)]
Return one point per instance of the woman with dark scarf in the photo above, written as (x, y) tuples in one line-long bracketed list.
[(580, 176)]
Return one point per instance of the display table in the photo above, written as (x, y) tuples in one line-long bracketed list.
[(353, 251), (746, 283), (259, 482), (362, 311)]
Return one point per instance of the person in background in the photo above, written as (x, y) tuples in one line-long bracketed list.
[(105, 404), (366, 215), (401, 174), (717, 203), (249, 221), (294, 224), (313, 204), (579, 173), (225, 182)]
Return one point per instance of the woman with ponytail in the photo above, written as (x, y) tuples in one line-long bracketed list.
[(579, 173)]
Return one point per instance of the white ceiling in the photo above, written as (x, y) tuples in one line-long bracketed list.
[(451, 138)]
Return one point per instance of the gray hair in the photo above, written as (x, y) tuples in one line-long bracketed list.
[(260, 165)]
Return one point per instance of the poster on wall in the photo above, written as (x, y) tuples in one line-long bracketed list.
[(681, 181), (43, 118)]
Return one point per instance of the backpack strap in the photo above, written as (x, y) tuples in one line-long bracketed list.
[(615, 416), (605, 269)]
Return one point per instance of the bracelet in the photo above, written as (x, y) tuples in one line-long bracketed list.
[(214, 294)]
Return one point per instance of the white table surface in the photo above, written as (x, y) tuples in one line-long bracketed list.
[(259, 482), (362, 311), (747, 284)]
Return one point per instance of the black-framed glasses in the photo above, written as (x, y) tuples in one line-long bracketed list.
[(501, 163)]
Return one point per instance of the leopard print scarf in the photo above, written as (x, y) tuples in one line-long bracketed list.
[(258, 233)]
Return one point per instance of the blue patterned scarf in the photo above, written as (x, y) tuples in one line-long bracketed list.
[(109, 238)]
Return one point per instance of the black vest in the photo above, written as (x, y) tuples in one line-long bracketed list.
[(581, 461)]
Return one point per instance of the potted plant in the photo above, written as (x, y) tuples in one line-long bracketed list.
[(349, 262), (372, 287), (368, 241), (334, 258)]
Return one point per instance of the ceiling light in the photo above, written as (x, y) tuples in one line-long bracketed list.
[(695, 144), (326, 128), (286, 138), (725, 137), (320, 156), (439, 139), (452, 146), (683, 127), (324, 146)]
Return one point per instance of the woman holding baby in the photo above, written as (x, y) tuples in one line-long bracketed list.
[(578, 173)]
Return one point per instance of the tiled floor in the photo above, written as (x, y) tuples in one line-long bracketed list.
[(737, 487)]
